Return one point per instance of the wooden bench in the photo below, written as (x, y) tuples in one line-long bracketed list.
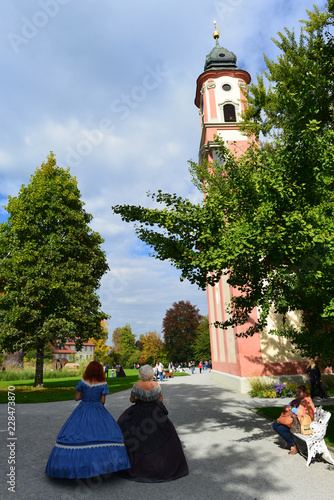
[(315, 441)]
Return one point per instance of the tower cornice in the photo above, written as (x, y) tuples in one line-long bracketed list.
[(240, 74)]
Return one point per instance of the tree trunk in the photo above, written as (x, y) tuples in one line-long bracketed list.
[(39, 363)]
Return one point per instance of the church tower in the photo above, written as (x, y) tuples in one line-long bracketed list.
[(219, 97)]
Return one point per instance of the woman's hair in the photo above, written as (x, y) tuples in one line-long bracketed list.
[(304, 389), (312, 364), (94, 371), (146, 373)]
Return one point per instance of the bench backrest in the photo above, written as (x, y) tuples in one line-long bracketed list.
[(319, 425)]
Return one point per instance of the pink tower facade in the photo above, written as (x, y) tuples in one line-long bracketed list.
[(219, 97)]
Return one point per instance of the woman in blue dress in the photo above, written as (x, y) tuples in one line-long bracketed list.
[(90, 442)]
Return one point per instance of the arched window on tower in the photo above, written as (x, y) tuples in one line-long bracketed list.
[(229, 113)]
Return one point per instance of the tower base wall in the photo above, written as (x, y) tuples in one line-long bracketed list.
[(242, 384)]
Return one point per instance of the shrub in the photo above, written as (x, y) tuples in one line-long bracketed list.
[(264, 389), (29, 374)]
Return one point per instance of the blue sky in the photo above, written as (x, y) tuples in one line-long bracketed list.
[(109, 87)]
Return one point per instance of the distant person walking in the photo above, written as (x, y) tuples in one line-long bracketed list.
[(200, 366), (314, 375), (160, 370), (106, 370)]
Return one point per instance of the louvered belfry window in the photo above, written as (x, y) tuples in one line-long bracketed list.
[(229, 113)]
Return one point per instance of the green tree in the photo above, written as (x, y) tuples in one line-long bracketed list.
[(179, 329), (201, 346), (51, 266), (126, 345), (267, 221), (132, 359)]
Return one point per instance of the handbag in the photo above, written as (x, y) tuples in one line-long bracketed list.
[(285, 419), (295, 427), (305, 423)]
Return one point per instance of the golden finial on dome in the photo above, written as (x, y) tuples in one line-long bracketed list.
[(216, 31)]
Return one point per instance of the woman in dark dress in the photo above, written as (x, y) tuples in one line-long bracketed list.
[(153, 446)]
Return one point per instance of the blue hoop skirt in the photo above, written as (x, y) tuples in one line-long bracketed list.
[(90, 442)]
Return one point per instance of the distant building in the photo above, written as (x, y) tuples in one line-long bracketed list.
[(69, 351)]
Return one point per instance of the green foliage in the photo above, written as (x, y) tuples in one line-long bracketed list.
[(113, 358), (31, 354), (263, 389), (201, 346), (60, 389), (132, 359), (126, 345), (267, 221), (51, 266), (28, 373), (127, 340)]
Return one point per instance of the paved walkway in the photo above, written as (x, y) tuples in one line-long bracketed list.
[(232, 452)]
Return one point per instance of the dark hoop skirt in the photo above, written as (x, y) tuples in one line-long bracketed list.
[(153, 446)]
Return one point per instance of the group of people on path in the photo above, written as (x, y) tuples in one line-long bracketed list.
[(202, 365), (119, 371), (141, 446)]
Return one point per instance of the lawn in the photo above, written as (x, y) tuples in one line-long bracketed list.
[(61, 389), (273, 412)]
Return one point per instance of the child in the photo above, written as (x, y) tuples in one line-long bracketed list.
[(90, 442)]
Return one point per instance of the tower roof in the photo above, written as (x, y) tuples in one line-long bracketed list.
[(220, 58)]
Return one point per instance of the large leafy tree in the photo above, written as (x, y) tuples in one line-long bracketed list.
[(179, 329), (267, 220), (51, 266)]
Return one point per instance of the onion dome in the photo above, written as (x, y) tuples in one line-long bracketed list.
[(219, 57)]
